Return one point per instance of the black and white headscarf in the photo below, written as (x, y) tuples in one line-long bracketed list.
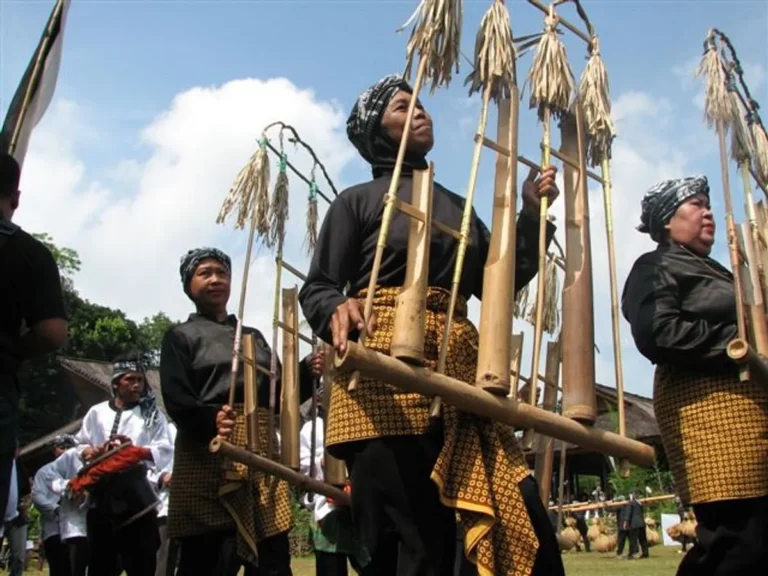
[(191, 260), (663, 199), (364, 125), (64, 441)]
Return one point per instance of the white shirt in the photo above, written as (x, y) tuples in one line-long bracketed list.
[(46, 501), (155, 475), (72, 513), (97, 426), (320, 505)]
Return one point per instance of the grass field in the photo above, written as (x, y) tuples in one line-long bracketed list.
[(663, 562)]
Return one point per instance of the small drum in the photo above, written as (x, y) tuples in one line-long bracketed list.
[(122, 492)]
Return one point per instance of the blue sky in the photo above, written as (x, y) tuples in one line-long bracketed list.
[(158, 104)]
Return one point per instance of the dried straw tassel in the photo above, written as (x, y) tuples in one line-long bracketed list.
[(494, 54), (521, 303), (278, 213), (437, 38), (311, 239), (742, 149), (595, 98), (551, 78), (760, 143), (718, 106), (250, 192), (551, 315)]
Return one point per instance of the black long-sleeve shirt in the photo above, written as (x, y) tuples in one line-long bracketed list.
[(346, 246), (681, 309), (195, 366)]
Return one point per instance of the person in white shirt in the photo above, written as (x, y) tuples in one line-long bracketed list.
[(167, 553), (131, 415), (333, 534), (48, 503)]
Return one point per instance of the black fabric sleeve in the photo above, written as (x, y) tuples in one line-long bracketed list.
[(526, 251), (305, 380), (651, 305), (181, 400), (42, 298), (333, 263)]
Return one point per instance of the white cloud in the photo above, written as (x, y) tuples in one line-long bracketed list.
[(130, 243)]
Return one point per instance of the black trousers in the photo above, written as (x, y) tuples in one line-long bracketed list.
[(330, 564), (134, 546), (57, 557), (167, 552), (637, 537), (732, 539), (622, 540), (399, 517), (581, 526), (215, 554), (78, 554)]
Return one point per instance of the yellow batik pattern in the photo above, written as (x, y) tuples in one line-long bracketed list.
[(480, 466), (715, 434)]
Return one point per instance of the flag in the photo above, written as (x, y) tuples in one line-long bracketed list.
[(35, 91)]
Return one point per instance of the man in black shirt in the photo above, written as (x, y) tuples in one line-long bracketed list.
[(32, 317)]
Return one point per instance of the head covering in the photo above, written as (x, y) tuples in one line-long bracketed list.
[(364, 124), (191, 260), (147, 401), (64, 441), (663, 199)]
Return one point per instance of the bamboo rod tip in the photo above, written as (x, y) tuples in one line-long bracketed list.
[(215, 445), (737, 349), (339, 360)]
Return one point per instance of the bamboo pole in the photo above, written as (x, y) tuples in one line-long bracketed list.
[(273, 369), (545, 449), (409, 324), (516, 345), (267, 466), (582, 507), (497, 305), (290, 418), (250, 393), (501, 409), (334, 470), (561, 484), (579, 400)]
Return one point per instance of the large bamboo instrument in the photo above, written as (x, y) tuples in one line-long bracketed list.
[(410, 310), (251, 393), (290, 418), (579, 400), (746, 244)]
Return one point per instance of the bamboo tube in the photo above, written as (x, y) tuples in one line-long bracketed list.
[(516, 344), (742, 353), (290, 418), (579, 400), (250, 393), (753, 293), (334, 470), (497, 305), (273, 358), (256, 462), (545, 449), (410, 309), (561, 484), (389, 210), (505, 410), (313, 416)]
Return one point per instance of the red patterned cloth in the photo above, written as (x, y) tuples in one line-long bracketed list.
[(123, 459)]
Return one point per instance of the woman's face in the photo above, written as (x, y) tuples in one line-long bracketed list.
[(693, 225), (210, 285), (421, 138)]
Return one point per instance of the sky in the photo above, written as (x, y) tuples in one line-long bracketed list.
[(160, 103)]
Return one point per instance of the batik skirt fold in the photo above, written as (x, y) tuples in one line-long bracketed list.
[(715, 433), (480, 465), (212, 493)]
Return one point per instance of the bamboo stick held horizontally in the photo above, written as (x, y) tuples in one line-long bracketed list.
[(290, 417), (578, 334), (409, 325)]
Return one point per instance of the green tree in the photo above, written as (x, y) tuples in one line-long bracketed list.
[(151, 332)]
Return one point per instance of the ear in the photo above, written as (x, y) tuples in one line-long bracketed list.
[(15, 199)]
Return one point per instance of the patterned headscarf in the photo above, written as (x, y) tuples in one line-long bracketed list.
[(364, 122), (663, 199), (191, 260), (64, 441)]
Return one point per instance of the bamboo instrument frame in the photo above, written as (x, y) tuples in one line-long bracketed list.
[(290, 418), (334, 470), (498, 302), (250, 394), (501, 409), (409, 325), (578, 332), (545, 446), (256, 462)]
